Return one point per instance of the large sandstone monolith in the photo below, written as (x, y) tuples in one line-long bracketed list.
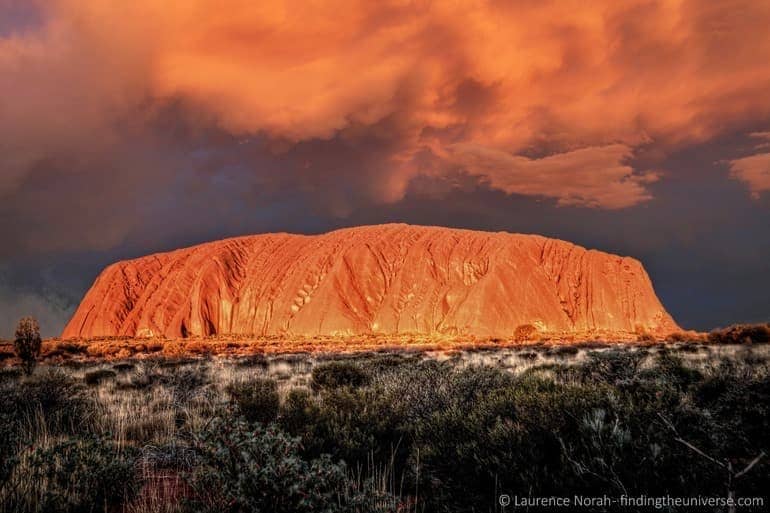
[(388, 279)]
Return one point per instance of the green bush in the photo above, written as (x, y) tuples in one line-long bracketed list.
[(298, 413), (503, 433), (83, 475), (243, 468), (356, 424), (257, 399), (338, 374)]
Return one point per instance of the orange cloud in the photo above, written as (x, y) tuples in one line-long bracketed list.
[(754, 170), (593, 177), (479, 84)]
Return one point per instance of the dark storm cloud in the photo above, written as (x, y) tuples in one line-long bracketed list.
[(18, 16)]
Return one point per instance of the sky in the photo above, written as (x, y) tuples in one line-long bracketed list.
[(639, 127)]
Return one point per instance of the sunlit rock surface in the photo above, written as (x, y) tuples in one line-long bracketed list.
[(388, 279)]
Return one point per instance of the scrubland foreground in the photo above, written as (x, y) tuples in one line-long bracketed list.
[(387, 431)]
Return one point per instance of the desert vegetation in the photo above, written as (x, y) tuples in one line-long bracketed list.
[(400, 431), (27, 343)]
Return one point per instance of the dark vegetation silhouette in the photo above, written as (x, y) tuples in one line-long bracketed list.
[(27, 343), (388, 432)]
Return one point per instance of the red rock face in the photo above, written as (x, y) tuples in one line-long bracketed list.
[(388, 279)]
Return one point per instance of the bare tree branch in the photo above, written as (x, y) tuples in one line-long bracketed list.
[(688, 444), (750, 465)]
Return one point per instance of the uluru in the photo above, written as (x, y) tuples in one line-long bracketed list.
[(385, 279)]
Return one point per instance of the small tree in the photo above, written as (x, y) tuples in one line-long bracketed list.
[(524, 332), (27, 342)]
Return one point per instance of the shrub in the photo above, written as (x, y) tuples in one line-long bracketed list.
[(243, 468), (185, 382), (741, 334), (9, 439), (257, 399), (524, 332), (27, 342), (563, 351), (97, 376), (175, 363), (63, 403), (9, 374), (612, 366), (645, 337), (254, 360), (677, 336), (197, 347), (298, 413), (495, 431), (670, 369), (380, 363), (354, 424), (83, 475), (123, 367), (689, 347), (144, 376), (153, 347), (338, 374), (71, 348)]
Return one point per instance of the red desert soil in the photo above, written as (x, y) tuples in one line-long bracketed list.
[(389, 281)]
